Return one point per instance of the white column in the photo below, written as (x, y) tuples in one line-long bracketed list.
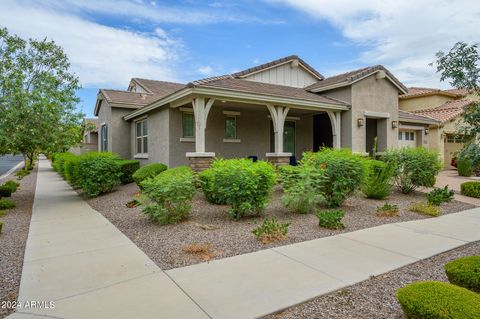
[(201, 108), (278, 114), (335, 120)]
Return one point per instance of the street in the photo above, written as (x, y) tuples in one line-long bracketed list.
[(9, 161)]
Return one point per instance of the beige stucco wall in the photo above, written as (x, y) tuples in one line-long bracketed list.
[(118, 129), (284, 74), (423, 102)]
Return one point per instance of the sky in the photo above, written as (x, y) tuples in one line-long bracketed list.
[(110, 41)]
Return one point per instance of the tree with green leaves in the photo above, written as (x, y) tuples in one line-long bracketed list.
[(37, 98), (461, 68)]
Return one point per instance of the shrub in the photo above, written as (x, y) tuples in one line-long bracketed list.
[(440, 195), (471, 153), (12, 185), (70, 167), (438, 300), (5, 191), (304, 193), (425, 209), (464, 167), (271, 230), (465, 272), (344, 172), (169, 195), (148, 171), (6, 203), (128, 168), (377, 181), (240, 183), (414, 167), (288, 175), (471, 189), (59, 162), (98, 173), (1, 226), (22, 173), (388, 210), (331, 219)]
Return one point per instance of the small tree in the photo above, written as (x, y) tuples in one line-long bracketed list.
[(37, 98)]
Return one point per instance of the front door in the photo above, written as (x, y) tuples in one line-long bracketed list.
[(289, 137)]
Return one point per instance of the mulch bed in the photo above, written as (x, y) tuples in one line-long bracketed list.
[(13, 238), (375, 298), (209, 225)]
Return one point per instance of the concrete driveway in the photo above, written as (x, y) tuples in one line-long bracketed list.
[(7, 162), (450, 177)]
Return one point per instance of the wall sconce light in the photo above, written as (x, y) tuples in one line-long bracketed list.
[(427, 131), (394, 124), (360, 121)]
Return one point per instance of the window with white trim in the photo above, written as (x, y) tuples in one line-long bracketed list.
[(141, 136), (188, 125), (231, 127)]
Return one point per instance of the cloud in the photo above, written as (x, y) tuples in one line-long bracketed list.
[(101, 55), (205, 70), (403, 35)]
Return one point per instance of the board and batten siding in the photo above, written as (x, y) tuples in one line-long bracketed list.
[(285, 74)]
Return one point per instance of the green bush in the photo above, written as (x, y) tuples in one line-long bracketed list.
[(305, 191), (438, 300), (98, 173), (6, 203), (440, 195), (70, 169), (128, 168), (377, 183), (169, 195), (343, 173), (148, 171), (471, 153), (331, 219), (59, 162), (5, 191), (1, 226), (465, 272), (240, 183), (288, 175), (388, 210), (464, 167), (471, 189), (12, 185), (271, 230), (414, 167), (424, 208), (22, 173)]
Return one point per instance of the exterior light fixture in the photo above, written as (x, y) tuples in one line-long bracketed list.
[(360, 121), (427, 131), (394, 124)]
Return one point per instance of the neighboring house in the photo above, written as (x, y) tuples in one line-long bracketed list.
[(273, 111), (90, 137), (444, 106)]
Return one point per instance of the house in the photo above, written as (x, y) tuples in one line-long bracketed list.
[(444, 106), (274, 111), (90, 137)]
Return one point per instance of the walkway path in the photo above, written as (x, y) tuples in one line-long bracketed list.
[(77, 258)]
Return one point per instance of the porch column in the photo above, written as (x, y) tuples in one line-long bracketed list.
[(335, 120), (278, 114), (200, 160)]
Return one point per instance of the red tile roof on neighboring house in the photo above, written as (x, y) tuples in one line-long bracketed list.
[(445, 112), (415, 118), (418, 91)]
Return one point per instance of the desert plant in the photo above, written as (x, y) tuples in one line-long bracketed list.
[(438, 300), (5, 191), (440, 195), (128, 168), (6, 203), (377, 183), (169, 195), (465, 272), (388, 210), (343, 173), (464, 167), (471, 189), (22, 173), (148, 171), (425, 208), (414, 167), (98, 173), (12, 185), (331, 219), (305, 192), (240, 183), (271, 230), (201, 250)]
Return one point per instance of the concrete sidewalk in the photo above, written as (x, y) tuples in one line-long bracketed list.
[(78, 259)]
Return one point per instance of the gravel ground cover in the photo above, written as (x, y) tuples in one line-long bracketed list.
[(375, 298), (219, 237), (13, 238)]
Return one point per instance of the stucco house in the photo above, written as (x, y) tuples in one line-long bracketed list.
[(444, 106), (90, 137), (274, 111)]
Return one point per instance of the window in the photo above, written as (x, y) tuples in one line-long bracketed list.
[(406, 136), (453, 138), (141, 129), (188, 125), (231, 127), (400, 136), (104, 138)]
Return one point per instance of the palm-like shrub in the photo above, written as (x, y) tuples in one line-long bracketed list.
[(377, 183)]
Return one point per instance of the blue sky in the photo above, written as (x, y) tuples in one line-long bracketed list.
[(110, 41)]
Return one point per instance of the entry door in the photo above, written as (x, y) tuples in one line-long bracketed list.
[(289, 137)]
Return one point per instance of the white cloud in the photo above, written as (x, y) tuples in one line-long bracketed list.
[(403, 35), (205, 70), (100, 55)]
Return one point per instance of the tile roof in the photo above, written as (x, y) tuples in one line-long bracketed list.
[(232, 84), (131, 99), (419, 91), (162, 88), (276, 62), (408, 116), (350, 77), (445, 112)]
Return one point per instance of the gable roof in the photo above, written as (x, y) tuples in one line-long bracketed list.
[(158, 87), (404, 116), (414, 92), (274, 63), (445, 112), (351, 77)]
